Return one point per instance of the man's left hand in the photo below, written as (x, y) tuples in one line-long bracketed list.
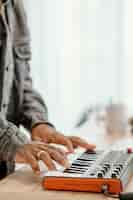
[(47, 134)]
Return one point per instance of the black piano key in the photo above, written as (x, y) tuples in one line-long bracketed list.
[(72, 170), (86, 159), (79, 167), (80, 164), (90, 152)]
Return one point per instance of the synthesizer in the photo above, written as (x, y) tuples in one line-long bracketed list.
[(94, 171)]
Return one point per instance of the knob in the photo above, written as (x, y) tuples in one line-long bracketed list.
[(103, 171), (107, 165), (117, 171), (118, 168), (114, 175), (105, 168), (121, 166), (100, 175), (129, 150)]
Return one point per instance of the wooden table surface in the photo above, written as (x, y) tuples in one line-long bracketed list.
[(25, 182)]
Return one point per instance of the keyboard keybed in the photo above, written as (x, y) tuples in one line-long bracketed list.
[(90, 170), (99, 164)]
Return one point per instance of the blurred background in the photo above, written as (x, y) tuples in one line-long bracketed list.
[(82, 56)]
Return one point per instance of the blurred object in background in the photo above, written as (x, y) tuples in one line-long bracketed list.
[(78, 54), (87, 114), (116, 118), (113, 116), (82, 53), (131, 124)]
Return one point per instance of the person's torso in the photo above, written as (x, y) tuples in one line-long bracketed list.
[(12, 71)]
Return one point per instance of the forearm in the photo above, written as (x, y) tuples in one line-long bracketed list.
[(34, 110)]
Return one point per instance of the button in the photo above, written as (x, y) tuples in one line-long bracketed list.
[(7, 69), (3, 35), (129, 150), (4, 105)]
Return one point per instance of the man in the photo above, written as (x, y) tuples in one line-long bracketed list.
[(20, 104)]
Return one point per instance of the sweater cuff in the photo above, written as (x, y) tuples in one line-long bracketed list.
[(15, 139)]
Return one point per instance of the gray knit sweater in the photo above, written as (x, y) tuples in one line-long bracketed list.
[(20, 104)]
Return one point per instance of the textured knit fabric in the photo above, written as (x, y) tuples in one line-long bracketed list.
[(19, 103)]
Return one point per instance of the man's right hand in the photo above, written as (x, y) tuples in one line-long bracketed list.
[(35, 151)]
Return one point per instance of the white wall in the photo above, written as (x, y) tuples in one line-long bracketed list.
[(101, 45), (128, 46), (77, 54)]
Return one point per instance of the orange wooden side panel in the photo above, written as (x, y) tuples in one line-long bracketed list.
[(82, 184)]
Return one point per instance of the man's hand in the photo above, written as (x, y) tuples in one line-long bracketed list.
[(47, 134), (35, 151)]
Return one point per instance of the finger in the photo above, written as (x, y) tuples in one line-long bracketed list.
[(37, 138), (45, 157), (61, 151), (20, 157), (81, 143), (35, 151), (61, 139), (45, 147), (59, 158), (33, 162)]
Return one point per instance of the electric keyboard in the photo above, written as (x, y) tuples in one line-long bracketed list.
[(94, 171)]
